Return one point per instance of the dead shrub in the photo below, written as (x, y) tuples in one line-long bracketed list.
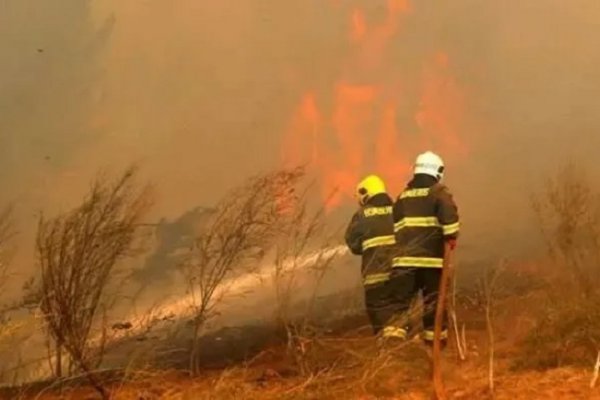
[(303, 256), (6, 251), (77, 254), (236, 236), (567, 327), (7, 327), (6, 234)]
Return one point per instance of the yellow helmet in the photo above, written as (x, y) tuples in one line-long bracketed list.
[(369, 187)]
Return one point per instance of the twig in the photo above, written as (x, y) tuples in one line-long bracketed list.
[(460, 342), (490, 330), (73, 378), (596, 372), (438, 383), (381, 363), (463, 338), (489, 286)]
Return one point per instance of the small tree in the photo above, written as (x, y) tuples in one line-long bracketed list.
[(77, 253), (303, 255), (237, 235)]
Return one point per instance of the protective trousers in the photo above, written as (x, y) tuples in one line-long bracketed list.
[(379, 302), (406, 284)]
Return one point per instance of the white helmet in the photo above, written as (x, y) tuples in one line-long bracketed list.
[(431, 164)]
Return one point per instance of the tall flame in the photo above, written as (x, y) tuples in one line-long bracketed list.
[(367, 129)]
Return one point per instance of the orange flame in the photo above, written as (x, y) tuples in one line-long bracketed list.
[(359, 27), (367, 126)]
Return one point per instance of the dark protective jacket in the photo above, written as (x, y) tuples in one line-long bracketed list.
[(371, 234), (425, 215)]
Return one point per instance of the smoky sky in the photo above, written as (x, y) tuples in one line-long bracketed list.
[(200, 94)]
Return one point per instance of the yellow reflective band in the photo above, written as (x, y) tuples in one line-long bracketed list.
[(451, 228), (378, 241), (392, 331), (421, 221), (416, 222), (398, 225), (419, 262), (424, 192), (429, 335), (373, 211), (372, 279)]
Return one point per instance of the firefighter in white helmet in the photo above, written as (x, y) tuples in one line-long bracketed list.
[(425, 217), (371, 235)]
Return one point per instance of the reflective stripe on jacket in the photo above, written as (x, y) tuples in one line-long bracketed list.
[(425, 214), (371, 235)]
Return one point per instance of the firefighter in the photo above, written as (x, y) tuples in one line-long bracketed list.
[(371, 235), (425, 218)]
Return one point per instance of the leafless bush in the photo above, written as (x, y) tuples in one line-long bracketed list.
[(237, 235), (568, 329), (6, 234), (8, 328), (77, 254), (568, 215), (303, 255)]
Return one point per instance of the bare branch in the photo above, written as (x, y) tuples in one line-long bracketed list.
[(238, 235), (303, 256), (7, 232), (77, 254), (596, 372)]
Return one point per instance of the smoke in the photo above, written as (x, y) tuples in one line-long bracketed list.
[(49, 85), (203, 93)]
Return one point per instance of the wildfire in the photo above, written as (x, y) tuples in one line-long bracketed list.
[(376, 126)]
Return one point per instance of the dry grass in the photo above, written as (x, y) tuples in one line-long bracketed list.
[(361, 373), (349, 365)]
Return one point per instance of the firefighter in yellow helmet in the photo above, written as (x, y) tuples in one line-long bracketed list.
[(425, 218), (371, 235)]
